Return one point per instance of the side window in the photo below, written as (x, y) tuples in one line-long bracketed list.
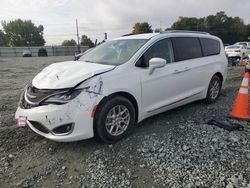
[(161, 49), (210, 46), (186, 48)]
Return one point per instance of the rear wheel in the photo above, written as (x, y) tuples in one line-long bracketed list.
[(114, 119), (214, 89)]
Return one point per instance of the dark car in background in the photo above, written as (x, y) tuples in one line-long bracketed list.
[(42, 52)]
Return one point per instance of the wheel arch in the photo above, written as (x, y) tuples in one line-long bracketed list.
[(219, 75), (124, 94), (207, 98)]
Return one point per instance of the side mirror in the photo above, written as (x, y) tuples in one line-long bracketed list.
[(155, 63)]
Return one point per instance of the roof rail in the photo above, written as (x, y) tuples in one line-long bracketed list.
[(127, 34), (183, 31)]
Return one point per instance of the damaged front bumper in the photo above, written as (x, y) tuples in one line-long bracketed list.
[(62, 122)]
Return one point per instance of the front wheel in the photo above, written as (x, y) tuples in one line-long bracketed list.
[(114, 118), (214, 89)]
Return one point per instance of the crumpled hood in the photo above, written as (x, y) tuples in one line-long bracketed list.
[(67, 74)]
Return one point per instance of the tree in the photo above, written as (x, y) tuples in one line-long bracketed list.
[(85, 41), (142, 28), (186, 23), (248, 31), (71, 42), (23, 33), (229, 29), (2, 38)]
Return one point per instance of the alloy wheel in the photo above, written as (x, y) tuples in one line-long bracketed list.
[(117, 120)]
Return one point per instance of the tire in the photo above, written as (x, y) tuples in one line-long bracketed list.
[(110, 125), (214, 88)]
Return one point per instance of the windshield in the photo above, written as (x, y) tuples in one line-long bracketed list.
[(115, 52)]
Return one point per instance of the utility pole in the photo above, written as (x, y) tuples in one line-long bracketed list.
[(77, 35)]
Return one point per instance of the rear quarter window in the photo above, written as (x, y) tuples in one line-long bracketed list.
[(186, 48), (210, 46)]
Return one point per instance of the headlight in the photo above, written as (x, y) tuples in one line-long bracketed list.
[(63, 98)]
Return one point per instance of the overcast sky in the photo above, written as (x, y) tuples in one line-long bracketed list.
[(116, 17)]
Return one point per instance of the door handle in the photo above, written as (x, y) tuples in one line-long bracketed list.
[(180, 71), (177, 71), (186, 69)]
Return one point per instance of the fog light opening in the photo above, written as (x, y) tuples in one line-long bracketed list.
[(63, 129)]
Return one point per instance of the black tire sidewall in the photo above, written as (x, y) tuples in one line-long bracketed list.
[(208, 97), (101, 115)]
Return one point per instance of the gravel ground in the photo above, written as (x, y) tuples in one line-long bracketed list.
[(173, 149)]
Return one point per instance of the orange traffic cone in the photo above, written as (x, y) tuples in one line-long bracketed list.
[(240, 108)]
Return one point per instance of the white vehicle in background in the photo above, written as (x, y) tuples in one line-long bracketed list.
[(243, 43), (122, 82), (237, 51), (27, 53), (247, 44)]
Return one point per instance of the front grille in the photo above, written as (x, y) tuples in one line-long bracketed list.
[(39, 127), (24, 104)]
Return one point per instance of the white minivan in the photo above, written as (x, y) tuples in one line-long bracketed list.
[(122, 82)]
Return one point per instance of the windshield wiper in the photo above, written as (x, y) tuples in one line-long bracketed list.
[(89, 61)]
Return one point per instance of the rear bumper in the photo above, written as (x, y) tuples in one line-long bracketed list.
[(234, 54)]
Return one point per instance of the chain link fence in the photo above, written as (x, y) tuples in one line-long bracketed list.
[(51, 50)]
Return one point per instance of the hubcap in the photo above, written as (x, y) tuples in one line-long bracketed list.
[(117, 120), (215, 89)]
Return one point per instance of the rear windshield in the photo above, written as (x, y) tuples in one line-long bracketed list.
[(114, 52), (242, 43), (232, 47)]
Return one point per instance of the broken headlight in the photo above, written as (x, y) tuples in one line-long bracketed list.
[(64, 97)]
